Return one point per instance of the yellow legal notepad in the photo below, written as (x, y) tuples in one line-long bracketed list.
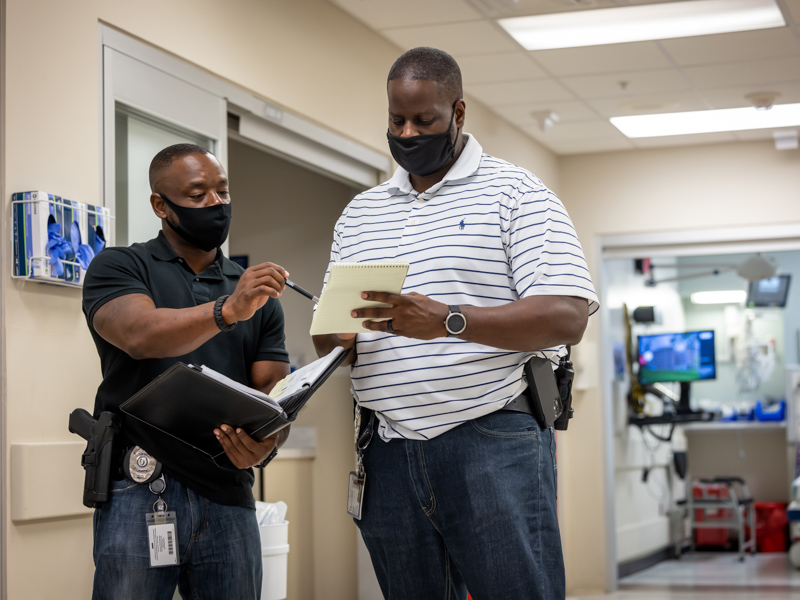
[(342, 294)]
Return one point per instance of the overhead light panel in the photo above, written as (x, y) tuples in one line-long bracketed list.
[(719, 297), (642, 23), (708, 121)]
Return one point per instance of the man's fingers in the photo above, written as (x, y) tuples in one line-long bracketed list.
[(377, 325), (249, 443), (264, 290), (377, 312), (267, 266), (230, 450), (384, 297), (241, 449), (268, 279)]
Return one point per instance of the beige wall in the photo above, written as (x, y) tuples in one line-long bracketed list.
[(305, 55), (654, 190)]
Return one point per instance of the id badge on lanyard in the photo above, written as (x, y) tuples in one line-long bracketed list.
[(162, 529)]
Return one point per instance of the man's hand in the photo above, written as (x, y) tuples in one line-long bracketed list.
[(243, 451), (413, 315), (256, 285)]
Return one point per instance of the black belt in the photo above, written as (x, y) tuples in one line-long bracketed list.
[(521, 403)]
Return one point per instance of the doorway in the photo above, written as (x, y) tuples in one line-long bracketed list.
[(641, 480), (284, 213)]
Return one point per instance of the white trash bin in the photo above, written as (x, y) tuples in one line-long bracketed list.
[(275, 559)]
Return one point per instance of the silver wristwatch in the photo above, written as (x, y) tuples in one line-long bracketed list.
[(455, 322)]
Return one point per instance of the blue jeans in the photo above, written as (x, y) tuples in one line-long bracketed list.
[(219, 548), (472, 509)]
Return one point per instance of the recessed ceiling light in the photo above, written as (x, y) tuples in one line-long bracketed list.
[(641, 23), (719, 297), (708, 121)]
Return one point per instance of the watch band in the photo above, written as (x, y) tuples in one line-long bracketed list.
[(218, 314), (269, 458)]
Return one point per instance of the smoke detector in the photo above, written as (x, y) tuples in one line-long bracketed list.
[(546, 119), (762, 100)]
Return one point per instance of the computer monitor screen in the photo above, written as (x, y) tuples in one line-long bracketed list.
[(667, 357), (768, 292)]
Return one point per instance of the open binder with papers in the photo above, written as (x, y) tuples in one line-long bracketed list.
[(188, 402)]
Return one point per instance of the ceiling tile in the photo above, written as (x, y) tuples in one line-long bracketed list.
[(612, 58), (497, 9), (383, 14), (635, 83), (641, 105), (684, 140), (599, 129), (490, 68), (590, 146), (754, 72), (521, 114), (735, 97), (519, 92), (459, 39), (729, 47)]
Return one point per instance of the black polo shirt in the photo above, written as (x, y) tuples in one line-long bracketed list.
[(154, 269)]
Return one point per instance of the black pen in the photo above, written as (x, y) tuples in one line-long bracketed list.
[(305, 293)]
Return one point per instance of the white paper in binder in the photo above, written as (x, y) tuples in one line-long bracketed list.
[(342, 294)]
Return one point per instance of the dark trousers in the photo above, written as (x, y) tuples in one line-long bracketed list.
[(219, 548), (473, 509)]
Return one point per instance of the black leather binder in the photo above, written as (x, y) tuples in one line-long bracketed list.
[(186, 404)]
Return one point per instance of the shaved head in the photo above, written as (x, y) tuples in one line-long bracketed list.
[(165, 158), (430, 64)]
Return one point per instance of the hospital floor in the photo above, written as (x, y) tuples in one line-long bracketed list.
[(710, 576)]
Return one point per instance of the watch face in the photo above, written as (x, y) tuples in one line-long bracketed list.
[(456, 323)]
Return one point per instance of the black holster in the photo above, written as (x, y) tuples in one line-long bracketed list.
[(97, 458), (565, 373), (549, 394)]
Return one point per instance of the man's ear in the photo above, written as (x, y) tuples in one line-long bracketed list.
[(159, 206), (461, 112)]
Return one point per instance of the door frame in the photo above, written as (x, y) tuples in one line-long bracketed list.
[(297, 138), (3, 389), (730, 240)]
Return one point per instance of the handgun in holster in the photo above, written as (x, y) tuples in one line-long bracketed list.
[(550, 392), (565, 373), (97, 458)]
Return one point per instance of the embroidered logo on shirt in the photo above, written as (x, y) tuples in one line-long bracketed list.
[(462, 225)]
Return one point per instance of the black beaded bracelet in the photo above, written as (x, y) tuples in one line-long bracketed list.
[(267, 460), (218, 314)]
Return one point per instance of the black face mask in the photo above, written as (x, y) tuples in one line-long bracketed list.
[(423, 155), (206, 227)]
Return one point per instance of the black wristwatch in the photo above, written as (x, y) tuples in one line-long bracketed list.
[(455, 323), (269, 458), (218, 314)]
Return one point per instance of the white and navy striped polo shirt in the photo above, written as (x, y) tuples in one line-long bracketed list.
[(488, 234)]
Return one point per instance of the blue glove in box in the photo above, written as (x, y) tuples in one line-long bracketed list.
[(771, 411)]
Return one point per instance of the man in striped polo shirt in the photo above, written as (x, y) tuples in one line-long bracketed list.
[(460, 493)]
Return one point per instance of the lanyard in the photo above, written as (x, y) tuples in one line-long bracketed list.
[(362, 439)]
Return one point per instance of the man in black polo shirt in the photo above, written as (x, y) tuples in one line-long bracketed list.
[(177, 298)]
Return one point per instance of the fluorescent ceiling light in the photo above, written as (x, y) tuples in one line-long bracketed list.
[(708, 121), (641, 23), (719, 297)]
